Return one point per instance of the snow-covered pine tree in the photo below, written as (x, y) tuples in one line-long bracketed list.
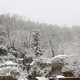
[(35, 44)]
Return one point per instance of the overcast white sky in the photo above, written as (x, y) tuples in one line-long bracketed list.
[(48, 11)]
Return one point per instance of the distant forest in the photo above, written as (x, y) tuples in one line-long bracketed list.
[(17, 32)]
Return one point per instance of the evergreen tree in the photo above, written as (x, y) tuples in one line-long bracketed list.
[(36, 43)]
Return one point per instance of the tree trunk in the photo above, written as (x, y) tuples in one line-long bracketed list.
[(51, 47)]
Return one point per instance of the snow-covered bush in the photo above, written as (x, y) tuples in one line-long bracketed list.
[(3, 50), (74, 67)]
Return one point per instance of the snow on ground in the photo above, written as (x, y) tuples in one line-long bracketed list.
[(59, 76), (42, 78), (10, 63)]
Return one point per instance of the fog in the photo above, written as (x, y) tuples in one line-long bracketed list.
[(44, 11)]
